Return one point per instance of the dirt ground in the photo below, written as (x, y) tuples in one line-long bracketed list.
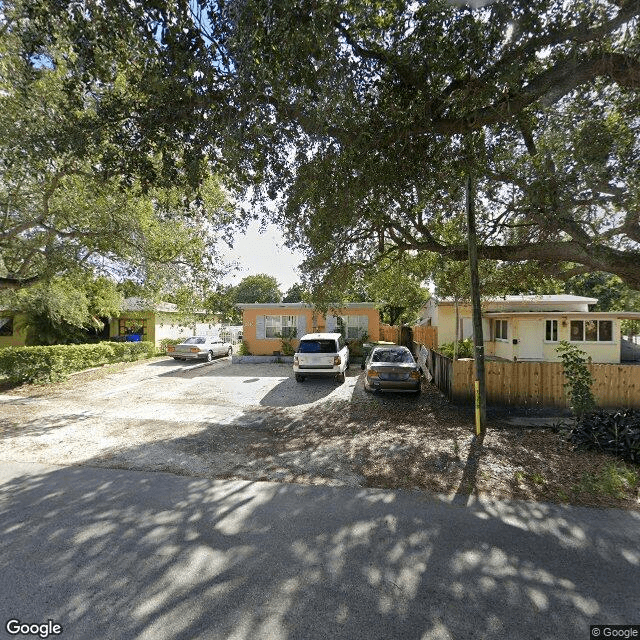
[(255, 422)]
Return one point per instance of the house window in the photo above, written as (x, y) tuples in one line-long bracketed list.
[(354, 327), (500, 330), (280, 326), (6, 326), (551, 331), (591, 331)]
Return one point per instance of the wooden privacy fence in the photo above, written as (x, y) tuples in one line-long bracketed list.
[(534, 384), (389, 333), (428, 336)]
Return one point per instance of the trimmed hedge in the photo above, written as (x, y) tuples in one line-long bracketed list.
[(53, 363)]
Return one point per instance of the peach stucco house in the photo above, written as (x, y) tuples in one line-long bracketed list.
[(263, 324), (529, 327)]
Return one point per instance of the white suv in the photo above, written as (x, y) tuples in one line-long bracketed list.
[(321, 354)]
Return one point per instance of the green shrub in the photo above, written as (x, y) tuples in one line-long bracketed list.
[(244, 349), (578, 378), (53, 363), (286, 346), (465, 349), (613, 432), (165, 342)]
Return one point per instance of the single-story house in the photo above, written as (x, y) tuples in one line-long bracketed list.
[(529, 327), (264, 325), (11, 332), (140, 320)]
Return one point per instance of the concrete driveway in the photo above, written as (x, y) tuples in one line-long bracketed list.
[(122, 555)]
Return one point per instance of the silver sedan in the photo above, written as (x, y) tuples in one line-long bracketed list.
[(200, 347), (392, 368)]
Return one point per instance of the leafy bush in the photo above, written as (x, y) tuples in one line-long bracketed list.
[(578, 378), (165, 342), (286, 346), (53, 363), (244, 349), (617, 433), (465, 349)]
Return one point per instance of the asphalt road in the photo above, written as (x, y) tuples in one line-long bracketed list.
[(110, 553)]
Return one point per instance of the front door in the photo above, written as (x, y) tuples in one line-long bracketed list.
[(530, 339)]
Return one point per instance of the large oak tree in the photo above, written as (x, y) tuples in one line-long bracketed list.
[(365, 116)]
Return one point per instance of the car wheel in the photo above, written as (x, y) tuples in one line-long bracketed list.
[(209, 356), (340, 378), (299, 378), (230, 351)]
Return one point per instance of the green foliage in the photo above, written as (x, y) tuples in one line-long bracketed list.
[(53, 363), (465, 349), (578, 378), (221, 303), (295, 293), (286, 346), (165, 342), (261, 288), (615, 480), (66, 310), (244, 349)]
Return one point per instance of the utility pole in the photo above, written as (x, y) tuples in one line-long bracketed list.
[(478, 338)]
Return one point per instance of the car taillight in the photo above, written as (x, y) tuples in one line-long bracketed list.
[(415, 375), (171, 348), (372, 373), (295, 360), (194, 350), (337, 360)]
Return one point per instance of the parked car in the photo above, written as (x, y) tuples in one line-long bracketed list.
[(321, 354), (392, 369), (205, 347)]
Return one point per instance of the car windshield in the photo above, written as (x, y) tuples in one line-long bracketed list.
[(392, 355), (196, 340), (317, 346)]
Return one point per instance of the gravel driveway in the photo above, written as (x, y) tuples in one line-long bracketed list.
[(193, 419), (254, 422)]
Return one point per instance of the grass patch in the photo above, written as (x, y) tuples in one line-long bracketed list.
[(615, 480)]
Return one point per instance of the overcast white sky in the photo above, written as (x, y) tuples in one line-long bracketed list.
[(263, 253)]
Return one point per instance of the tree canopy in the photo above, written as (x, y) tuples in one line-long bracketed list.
[(66, 204), (364, 117), (261, 288)]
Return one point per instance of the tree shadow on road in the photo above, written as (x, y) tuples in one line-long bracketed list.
[(122, 555)]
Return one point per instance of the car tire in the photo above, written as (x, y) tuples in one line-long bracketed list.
[(229, 351), (340, 377), (209, 356), (299, 378)]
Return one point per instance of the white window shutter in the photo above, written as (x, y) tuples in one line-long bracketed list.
[(331, 324), (301, 327), (260, 332)]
